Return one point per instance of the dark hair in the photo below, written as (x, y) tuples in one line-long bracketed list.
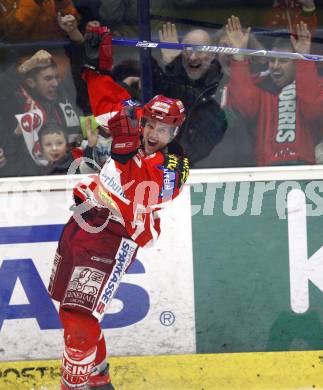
[(52, 128), (126, 68)]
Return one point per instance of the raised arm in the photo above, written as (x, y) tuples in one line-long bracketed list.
[(309, 85), (106, 96), (243, 95)]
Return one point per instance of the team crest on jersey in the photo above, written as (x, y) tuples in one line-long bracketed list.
[(84, 287), (70, 115)]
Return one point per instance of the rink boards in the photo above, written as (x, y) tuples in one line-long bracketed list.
[(238, 268), (146, 316), (235, 371)]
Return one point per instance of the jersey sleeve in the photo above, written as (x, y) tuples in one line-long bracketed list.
[(106, 96), (309, 88), (243, 94)]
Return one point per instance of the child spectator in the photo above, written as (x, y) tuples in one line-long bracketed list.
[(58, 155), (54, 149)]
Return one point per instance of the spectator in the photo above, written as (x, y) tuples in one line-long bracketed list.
[(59, 155), (33, 20), (68, 23), (127, 74), (96, 146), (284, 106), (288, 14), (33, 99), (97, 143), (193, 77), (116, 12), (89, 10), (3, 156), (54, 149), (236, 149)]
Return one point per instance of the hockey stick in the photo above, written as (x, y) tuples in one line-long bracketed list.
[(215, 49)]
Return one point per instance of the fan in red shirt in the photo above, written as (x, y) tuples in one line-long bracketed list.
[(289, 13), (284, 108), (116, 212)]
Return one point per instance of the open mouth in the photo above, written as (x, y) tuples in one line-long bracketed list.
[(194, 66), (55, 157), (277, 75), (151, 143)]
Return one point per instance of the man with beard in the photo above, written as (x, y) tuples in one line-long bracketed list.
[(31, 99), (193, 77), (284, 106), (236, 148)]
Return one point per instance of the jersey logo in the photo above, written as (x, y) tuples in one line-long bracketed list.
[(171, 162), (168, 183), (83, 288), (178, 165)]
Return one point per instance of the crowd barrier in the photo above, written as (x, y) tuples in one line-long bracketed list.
[(237, 269)]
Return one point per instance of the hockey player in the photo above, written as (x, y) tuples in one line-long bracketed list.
[(115, 213)]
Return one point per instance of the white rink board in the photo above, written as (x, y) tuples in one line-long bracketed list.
[(163, 282)]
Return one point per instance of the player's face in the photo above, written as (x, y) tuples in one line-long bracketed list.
[(282, 71), (46, 83), (156, 135), (54, 146)]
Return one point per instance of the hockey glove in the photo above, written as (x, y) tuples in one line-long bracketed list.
[(124, 128), (98, 48)]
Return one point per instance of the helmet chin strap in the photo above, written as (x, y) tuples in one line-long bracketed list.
[(175, 132)]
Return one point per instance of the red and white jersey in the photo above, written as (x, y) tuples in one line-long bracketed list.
[(135, 190)]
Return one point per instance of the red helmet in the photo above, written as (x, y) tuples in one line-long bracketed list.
[(165, 110)]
